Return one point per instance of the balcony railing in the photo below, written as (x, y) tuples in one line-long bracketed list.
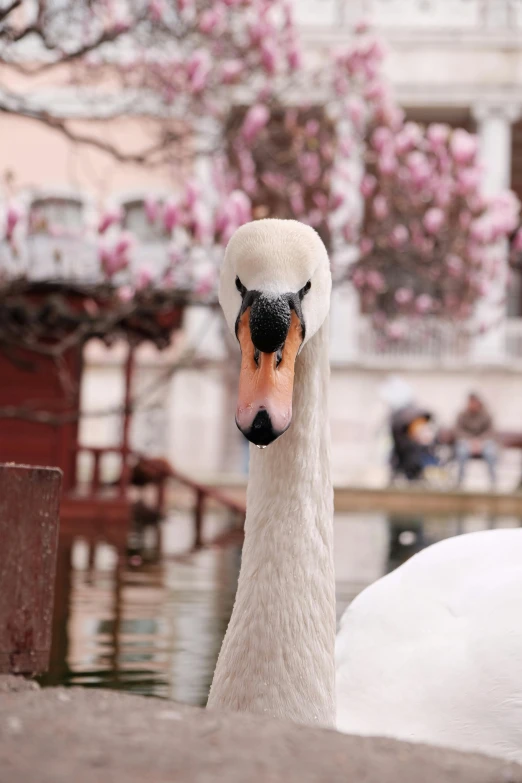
[(429, 342), (462, 16)]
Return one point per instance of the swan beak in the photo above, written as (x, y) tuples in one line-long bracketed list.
[(266, 383)]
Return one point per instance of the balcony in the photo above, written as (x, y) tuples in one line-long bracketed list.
[(429, 344)]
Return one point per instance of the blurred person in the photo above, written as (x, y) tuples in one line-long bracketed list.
[(475, 437)]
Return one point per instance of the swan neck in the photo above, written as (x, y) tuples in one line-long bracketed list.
[(278, 654)]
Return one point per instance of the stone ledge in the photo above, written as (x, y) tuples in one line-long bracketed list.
[(63, 735)]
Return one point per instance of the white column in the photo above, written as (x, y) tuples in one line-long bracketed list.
[(494, 131)]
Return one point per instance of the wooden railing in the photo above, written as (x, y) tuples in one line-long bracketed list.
[(140, 471)]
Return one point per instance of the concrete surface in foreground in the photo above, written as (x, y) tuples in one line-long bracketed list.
[(77, 735)]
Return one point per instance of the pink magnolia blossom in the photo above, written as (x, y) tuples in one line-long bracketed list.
[(403, 296), (387, 164), (310, 167), (144, 278), (152, 209), (126, 293), (198, 70), (433, 220), (366, 246), (268, 57), (469, 179), (157, 10), (110, 218), (375, 281), (368, 185), (382, 139), (454, 264), (463, 146), (380, 207), (356, 113), (231, 71), (399, 236), (424, 303), (294, 57), (409, 138), (255, 120), (438, 134), (172, 215), (13, 215), (211, 19)]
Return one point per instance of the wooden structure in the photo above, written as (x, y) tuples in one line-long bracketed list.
[(44, 328), (29, 504)]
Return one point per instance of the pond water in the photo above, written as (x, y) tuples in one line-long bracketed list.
[(156, 628)]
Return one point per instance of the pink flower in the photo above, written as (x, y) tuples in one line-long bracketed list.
[(365, 246), (433, 220), (359, 278), (463, 146), (109, 218), (382, 139), (395, 331), (399, 236), (143, 278), (157, 10), (424, 303), (356, 113), (376, 281), (294, 57), (124, 243), (468, 179), (268, 57), (255, 120), (171, 216), (362, 27), (380, 207), (112, 262), (231, 71), (152, 209), (211, 18), (438, 134), (368, 185), (408, 138), (454, 264), (198, 70), (126, 293), (13, 216), (387, 164), (403, 296)]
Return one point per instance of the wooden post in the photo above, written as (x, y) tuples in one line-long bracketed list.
[(29, 520)]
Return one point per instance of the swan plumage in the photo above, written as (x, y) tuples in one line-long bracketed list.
[(432, 652)]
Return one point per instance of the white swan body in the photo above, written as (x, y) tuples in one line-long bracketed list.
[(431, 652)]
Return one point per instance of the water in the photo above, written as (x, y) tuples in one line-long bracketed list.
[(156, 629)]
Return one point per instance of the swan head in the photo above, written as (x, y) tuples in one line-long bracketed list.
[(274, 289)]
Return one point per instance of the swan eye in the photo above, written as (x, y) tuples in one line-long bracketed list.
[(240, 287), (304, 290)]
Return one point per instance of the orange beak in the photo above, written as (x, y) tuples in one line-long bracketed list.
[(266, 383)]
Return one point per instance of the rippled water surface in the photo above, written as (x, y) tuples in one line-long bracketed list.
[(156, 629)]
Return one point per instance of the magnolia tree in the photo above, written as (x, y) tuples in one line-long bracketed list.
[(430, 243), (166, 62)]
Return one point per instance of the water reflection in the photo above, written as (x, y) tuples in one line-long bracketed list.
[(156, 629)]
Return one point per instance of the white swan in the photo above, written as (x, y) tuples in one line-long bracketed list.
[(431, 652)]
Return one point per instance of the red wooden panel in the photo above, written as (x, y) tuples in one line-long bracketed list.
[(29, 520), (33, 381)]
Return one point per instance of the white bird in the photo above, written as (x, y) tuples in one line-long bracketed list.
[(431, 652)]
